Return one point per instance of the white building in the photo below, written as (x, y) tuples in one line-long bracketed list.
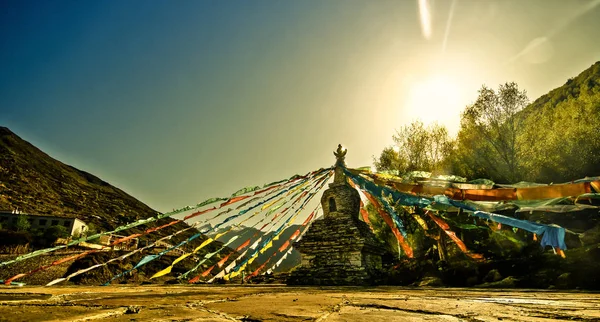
[(74, 226)]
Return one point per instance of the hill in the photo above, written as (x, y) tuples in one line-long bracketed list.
[(34, 182), (560, 138)]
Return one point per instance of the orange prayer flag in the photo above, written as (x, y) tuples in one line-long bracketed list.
[(461, 245), (244, 245), (206, 272), (222, 261), (296, 233), (284, 246), (197, 213), (266, 189), (233, 200), (312, 214), (388, 220)]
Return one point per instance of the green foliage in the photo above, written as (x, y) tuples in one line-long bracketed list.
[(381, 229), (22, 223), (54, 232), (554, 139), (389, 160), (561, 138), (487, 140), (91, 230), (417, 147)]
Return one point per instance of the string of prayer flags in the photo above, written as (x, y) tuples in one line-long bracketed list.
[(120, 258), (446, 228), (389, 221), (264, 243), (168, 269), (255, 254), (552, 235), (85, 253), (151, 219)]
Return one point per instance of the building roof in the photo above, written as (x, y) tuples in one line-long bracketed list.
[(63, 216)]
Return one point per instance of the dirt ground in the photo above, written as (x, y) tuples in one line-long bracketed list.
[(282, 303)]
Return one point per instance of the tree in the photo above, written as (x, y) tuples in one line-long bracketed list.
[(22, 223), (389, 160), (560, 140), (54, 232), (417, 147), (487, 140), (91, 230)]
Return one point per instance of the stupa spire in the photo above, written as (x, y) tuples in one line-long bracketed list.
[(340, 165)]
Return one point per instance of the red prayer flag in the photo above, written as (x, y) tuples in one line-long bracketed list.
[(284, 246), (244, 245)]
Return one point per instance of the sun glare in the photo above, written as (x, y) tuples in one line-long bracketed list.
[(425, 18), (436, 99)]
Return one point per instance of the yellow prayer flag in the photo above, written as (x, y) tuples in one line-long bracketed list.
[(267, 246), (206, 242), (220, 235), (163, 272), (180, 258), (252, 259)]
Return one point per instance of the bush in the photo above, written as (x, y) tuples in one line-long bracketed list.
[(22, 223), (14, 238), (54, 232)]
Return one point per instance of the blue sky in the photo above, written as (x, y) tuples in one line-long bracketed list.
[(175, 102)]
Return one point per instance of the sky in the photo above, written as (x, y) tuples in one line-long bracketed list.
[(177, 102)]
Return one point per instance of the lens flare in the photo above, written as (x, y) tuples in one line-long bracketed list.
[(425, 17)]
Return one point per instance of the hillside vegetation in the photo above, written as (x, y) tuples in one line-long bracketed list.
[(505, 138), (34, 182)]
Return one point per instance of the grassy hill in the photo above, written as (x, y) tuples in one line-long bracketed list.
[(561, 135), (34, 182)]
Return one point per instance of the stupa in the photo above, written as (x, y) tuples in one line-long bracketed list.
[(338, 249)]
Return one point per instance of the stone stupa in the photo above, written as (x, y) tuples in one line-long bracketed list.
[(338, 249)]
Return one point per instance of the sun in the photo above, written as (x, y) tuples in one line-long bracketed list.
[(435, 99)]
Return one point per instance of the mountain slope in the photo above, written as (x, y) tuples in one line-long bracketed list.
[(560, 131), (34, 182)]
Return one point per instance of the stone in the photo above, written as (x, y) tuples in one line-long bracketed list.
[(564, 281), (509, 282), (133, 309), (591, 236), (339, 249), (492, 276), (431, 281)]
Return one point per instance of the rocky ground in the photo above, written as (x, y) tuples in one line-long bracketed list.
[(281, 303)]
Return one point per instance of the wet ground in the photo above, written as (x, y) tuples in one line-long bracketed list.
[(281, 303)]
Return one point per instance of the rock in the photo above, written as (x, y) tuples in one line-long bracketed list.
[(471, 281), (492, 276), (564, 281), (591, 236), (509, 282), (431, 281), (543, 277), (133, 309)]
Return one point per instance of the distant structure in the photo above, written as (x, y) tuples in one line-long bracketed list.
[(108, 240), (74, 226), (339, 249)]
